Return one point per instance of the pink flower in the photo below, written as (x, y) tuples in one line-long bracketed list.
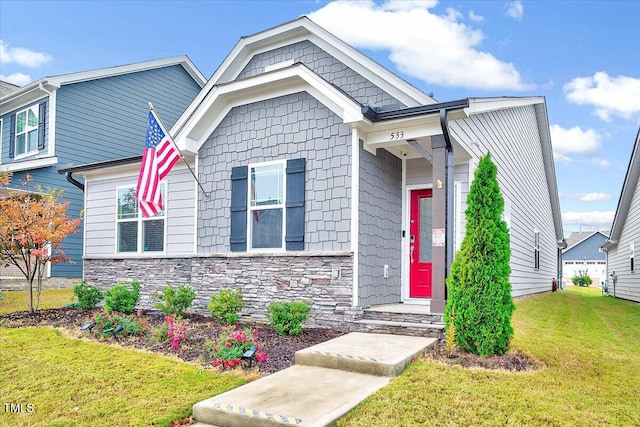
[(261, 357), (227, 344)]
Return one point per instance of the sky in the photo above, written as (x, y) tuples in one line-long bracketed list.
[(583, 57)]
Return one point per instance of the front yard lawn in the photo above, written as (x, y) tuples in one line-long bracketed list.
[(73, 382), (589, 344), (12, 301)]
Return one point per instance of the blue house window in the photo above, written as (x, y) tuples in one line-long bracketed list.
[(136, 234), (26, 131)]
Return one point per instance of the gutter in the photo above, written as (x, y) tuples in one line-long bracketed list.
[(72, 180)]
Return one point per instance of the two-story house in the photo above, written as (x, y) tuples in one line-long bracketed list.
[(86, 117)]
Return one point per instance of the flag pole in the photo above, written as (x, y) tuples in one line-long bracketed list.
[(177, 148)]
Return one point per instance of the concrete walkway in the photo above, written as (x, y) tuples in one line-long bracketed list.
[(328, 380)]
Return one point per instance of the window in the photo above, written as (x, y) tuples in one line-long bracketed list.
[(26, 131), (134, 232), (632, 250), (536, 249), (266, 205)]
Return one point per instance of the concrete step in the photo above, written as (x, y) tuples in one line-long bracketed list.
[(299, 395), (432, 330), (385, 355)]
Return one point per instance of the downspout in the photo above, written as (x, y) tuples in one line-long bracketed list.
[(72, 180), (449, 172)]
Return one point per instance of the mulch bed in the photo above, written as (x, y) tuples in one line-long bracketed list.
[(280, 350)]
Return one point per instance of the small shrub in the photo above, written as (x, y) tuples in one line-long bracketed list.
[(582, 278), (176, 300), (88, 295), (131, 325), (225, 306), (122, 297), (177, 331), (287, 317), (159, 333), (228, 348)]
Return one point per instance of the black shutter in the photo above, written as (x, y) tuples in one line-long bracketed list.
[(238, 241), (12, 137), (41, 119), (294, 236)]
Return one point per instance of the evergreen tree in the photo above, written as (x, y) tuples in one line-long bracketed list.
[(479, 303)]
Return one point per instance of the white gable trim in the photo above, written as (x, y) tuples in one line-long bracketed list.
[(208, 114)]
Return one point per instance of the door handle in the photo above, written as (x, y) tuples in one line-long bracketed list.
[(411, 249)]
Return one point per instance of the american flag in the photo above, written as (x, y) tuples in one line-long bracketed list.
[(159, 156)]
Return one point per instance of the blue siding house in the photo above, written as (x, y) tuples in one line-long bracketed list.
[(583, 253), (87, 117)]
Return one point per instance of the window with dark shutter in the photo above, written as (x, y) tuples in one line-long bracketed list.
[(239, 182), (294, 237), (41, 120)]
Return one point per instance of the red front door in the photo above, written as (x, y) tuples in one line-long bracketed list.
[(420, 244)]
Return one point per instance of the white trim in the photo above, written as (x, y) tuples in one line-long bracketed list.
[(35, 109), (29, 164), (1, 123), (278, 65), (208, 114), (50, 124), (457, 216), (404, 254), (282, 206), (355, 206), (139, 221), (196, 189)]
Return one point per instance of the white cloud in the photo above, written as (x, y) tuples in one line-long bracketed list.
[(514, 9), (603, 163), (594, 197), (598, 219), (438, 49), (609, 95), (474, 17), (573, 141), (16, 78), (22, 56)]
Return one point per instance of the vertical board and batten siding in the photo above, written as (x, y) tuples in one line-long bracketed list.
[(6, 132), (327, 67), (380, 227), (512, 137), (628, 283), (288, 127), (101, 208)]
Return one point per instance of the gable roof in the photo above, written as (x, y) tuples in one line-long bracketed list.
[(578, 237), (43, 86), (628, 189), (6, 88)]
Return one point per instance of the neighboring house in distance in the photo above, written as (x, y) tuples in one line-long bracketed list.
[(86, 117), (624, 241), (6, 88), (327, 179), (583, 254)]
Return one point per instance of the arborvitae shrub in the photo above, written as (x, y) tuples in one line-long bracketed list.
[(479, 302)]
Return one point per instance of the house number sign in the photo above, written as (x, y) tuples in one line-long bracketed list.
[(438, 237), (399, 134)]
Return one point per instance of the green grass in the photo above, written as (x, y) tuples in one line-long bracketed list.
[(590, 346), (74, 382), (19, 300)]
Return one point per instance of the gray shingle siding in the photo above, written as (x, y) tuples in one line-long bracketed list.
[(380, 227), (327, 67), (288, 127)]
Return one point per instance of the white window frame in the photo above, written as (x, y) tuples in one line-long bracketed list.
[(632, 255), (140, 219), (1, 141), (251, 209), (36, 110)]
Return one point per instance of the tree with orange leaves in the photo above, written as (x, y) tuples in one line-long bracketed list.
[(32, 226)]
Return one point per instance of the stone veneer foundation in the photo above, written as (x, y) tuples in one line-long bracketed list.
[(262, 277)]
